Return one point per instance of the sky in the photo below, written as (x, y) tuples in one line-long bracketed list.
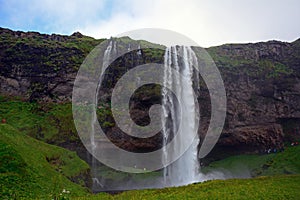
[(207, 22)]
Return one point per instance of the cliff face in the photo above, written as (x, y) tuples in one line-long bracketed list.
[(262, 83), (39, 66)]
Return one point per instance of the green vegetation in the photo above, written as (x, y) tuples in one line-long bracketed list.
[(150, 90), (279, 187), (111, 174), (53, 53), (224, 59), (85, 43), (153, 55), (30, 168), (51, 123), (273, 69), (104, 116), (233, 56), (286, 162)]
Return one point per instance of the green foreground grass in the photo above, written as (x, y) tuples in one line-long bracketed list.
[(33, 169), (278, 187)]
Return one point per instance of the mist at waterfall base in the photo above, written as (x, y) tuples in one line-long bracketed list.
[(186, 169)]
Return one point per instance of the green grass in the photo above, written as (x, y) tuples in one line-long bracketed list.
[(110, 174), (33, 169), (262, 67), (278, 187), (51, 123), (286, 162)]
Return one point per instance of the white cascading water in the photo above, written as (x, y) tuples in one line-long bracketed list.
[(111, 48), (186, 169)]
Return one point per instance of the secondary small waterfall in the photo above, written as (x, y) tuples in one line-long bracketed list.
[(110, 49), (186, 169)]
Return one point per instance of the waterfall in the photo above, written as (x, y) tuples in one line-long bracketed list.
[(139, 52), (110, 49), (106, 57), (186, 169)]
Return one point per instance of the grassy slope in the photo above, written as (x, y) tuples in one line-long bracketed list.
[(279, 187), (30, 168)]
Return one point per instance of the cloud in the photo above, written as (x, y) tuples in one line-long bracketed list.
[(207, 22)]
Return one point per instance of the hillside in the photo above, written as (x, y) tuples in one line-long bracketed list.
[(31, 169)]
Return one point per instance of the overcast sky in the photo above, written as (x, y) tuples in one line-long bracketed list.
[(208, 22)]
